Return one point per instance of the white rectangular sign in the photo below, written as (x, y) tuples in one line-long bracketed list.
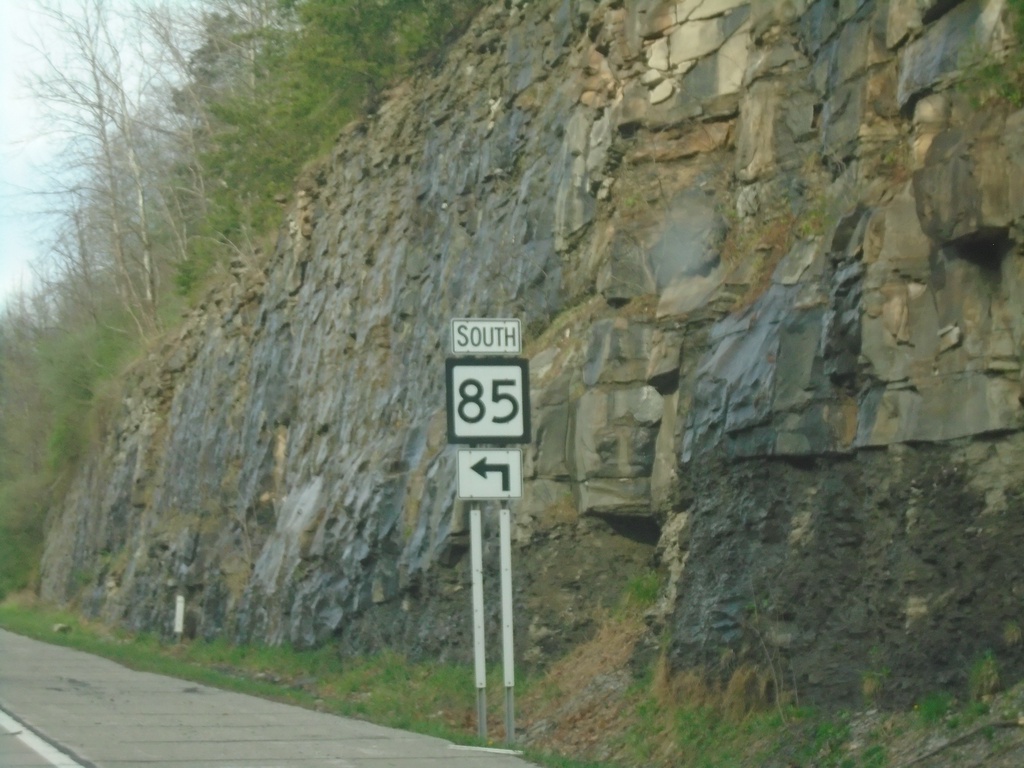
[(479, 336), (491, 473)]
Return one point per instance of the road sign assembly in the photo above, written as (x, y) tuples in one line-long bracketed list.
[(488, 403)]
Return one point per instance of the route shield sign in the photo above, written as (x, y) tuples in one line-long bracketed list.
[(488, 400), (492, 473)]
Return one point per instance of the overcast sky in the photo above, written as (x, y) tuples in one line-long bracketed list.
[(22, 146), (27, 153)]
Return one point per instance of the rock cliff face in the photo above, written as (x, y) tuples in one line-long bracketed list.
[(768, 260)]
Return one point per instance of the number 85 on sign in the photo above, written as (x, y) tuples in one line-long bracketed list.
[(488, 400)]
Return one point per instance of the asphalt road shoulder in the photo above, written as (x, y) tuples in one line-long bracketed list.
[(106, 715)]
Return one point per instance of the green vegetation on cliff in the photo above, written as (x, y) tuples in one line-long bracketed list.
[(998, 76), (312, 67)]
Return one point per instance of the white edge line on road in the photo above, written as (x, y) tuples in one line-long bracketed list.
[(491, 750), (42, 748)]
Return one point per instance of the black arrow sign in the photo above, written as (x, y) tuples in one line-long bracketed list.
[(482, 468)]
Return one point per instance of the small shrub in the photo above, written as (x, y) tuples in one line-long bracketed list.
[(933, 707), (1012, 634), (188, 275), (830, 738), (976, 709), (983, 678), (874, 757), (642, 590), (872, 682), (996, 75), (994, 80), (22, 515), (750, 689)]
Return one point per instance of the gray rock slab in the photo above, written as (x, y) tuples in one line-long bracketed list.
[(946, 46), (108, 715)]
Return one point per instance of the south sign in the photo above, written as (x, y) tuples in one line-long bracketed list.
[(476, 336)]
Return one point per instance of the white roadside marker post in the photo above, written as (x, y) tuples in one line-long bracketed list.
[(179, 616)]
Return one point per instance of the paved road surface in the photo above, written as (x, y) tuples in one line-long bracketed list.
[(104, 715)]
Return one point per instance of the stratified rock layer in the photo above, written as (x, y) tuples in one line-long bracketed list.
[(768, 262)]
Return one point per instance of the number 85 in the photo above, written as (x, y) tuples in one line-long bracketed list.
[(471, 408)]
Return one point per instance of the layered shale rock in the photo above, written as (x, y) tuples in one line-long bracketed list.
[(768, 260)]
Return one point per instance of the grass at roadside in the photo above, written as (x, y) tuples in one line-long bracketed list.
[(632, 722), (591, 705), (426, 697)]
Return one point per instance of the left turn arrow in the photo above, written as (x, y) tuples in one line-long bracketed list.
[(482, 468)]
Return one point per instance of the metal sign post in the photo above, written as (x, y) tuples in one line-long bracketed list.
[(508, 647), (479, 656), (507, 643)]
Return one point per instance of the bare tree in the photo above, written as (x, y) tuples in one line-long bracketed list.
[(93, 98), (180, 124)]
